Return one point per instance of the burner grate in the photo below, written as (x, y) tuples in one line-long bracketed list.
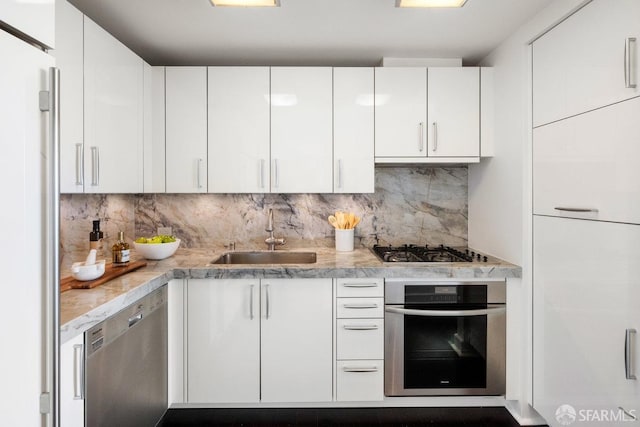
[(426, 253)]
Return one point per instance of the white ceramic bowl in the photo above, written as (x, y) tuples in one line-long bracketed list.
[(83, 272), (157, 250)]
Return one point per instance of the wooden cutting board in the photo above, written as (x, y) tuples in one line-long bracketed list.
[(110, 273)]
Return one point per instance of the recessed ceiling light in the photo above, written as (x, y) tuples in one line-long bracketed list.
[(430, 3), (246, 3)]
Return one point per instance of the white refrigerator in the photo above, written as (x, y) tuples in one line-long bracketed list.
[(29, 222)]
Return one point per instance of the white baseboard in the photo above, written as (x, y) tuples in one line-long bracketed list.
[(525, 415)]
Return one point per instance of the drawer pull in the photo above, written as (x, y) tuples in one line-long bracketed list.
[(360, 369), (560, 208), (359, 306), (628, 354), (360, 285), (79, 164), (629, 81), (360, 327), (78, 372)]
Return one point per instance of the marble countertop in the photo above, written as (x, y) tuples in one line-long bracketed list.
[(83, 308)]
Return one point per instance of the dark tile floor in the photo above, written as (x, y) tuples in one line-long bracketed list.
[(340, 417)]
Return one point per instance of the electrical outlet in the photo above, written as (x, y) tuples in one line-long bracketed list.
[(165, 230)]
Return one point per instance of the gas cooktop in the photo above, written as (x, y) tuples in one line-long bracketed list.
[(426, 253)]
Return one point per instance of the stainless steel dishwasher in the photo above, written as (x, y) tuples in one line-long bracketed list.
[(126, 365)]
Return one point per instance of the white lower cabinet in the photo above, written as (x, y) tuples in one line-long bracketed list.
[(296, 337), (223, 325), (259, 340), (176, 340), (586, 297), (359, 340), (72, 383)]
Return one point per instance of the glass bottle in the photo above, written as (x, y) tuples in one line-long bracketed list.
[(95, 238), (120, 250)]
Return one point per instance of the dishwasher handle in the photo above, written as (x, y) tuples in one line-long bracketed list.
[(135, 319)]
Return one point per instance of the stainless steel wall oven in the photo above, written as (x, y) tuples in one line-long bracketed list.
[(444, 338)]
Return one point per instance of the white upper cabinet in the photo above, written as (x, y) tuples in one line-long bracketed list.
[(186, 129), (589, 61), (239, 129), (297, 340), (69, 59), (154, 128), (427, 116), (353, 127), (301, 130), (113, 114), (586, 166), (34, 18), (223, 341), (454, 112), (401, 112)]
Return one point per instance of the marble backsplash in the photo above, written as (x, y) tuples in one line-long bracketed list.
[(410, 204)]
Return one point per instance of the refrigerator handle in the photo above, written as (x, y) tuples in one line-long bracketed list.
[(50, 101)]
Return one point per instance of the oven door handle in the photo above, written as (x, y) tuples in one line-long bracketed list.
[(491, 309)]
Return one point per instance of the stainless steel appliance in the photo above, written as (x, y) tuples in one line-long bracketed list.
[(444, 337), (126, 365), (426, 253)]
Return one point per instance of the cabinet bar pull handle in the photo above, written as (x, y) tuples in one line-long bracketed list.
[(261, 173), (251, 301), (568, 209), (360, 285), (628, 63), (435, 136), (198, 172), (276, 177), (79, 164), (340, 173), (360, 327), (50, 101), (629, 342), (95, 166), (78, 372), (491, 309), (360, 305), (360, 369), (268, 310), (421, 145)]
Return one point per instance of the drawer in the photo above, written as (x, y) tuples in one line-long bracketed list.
[(349, 308), (360, 339), (360, 380), (360, 288)]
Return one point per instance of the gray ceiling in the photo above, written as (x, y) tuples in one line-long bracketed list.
[(307, 32)]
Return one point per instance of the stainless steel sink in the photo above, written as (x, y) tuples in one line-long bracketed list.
[(266, 258)]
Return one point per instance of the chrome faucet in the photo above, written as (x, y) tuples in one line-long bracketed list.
[(271, 241)]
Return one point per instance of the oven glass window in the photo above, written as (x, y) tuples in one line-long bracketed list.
[(445, 352)]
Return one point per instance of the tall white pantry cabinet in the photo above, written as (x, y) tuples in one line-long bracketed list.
[(586, 216), (26, 355)]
